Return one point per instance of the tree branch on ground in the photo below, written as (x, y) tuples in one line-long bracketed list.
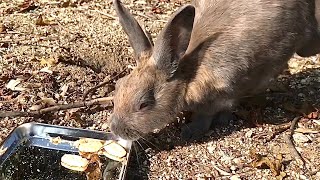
[(102, 84), (98, 101), (288, 138)]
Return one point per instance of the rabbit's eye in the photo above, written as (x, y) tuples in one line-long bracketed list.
[(143, 105)]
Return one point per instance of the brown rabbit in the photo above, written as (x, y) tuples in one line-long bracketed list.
[(208, 55)]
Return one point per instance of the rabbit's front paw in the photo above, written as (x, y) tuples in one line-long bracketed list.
[(200, 124)]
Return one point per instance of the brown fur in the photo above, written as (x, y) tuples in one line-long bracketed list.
[(231, 49)]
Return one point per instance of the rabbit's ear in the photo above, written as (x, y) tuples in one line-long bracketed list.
[(173, 40), (139, 41)]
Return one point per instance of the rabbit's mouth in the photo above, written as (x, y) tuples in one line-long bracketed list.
[(131, 130), (122, 130)]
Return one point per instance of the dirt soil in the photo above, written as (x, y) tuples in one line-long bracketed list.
[(53, 51)]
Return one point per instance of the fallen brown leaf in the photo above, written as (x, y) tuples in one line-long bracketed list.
[(48, 61), (68, 3), (281, 175), (93, 171), (156, 10), (314, 114), (13, 85), (2, 28), (44, 22), (26, 6), (263, 162)]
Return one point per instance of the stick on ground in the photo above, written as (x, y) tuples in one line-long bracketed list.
[(288, 138), (55, 108), (102, 84)]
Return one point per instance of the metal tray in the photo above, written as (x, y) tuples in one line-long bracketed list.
[(39, 135)]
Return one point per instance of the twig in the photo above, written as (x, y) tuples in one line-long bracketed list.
[(102, 84), (278, 131), (294, 153), (12, 40), (222, 172), (143, 15), (11, 32), (105, 14), (55, 108)]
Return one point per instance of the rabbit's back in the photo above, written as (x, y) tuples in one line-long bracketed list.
[(254, 42)]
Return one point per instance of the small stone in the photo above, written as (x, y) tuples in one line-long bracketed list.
[(237, 161), (105, 126), (233, 168), (211, 149), (235, 177), (317, 122), (303, 177), (300, 138), (249, 134), (303, 81), (301, 95)]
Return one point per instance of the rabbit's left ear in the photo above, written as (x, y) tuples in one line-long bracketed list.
[(139, 41), (173, 40)]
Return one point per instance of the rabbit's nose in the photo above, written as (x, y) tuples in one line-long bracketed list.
[(116, 125)]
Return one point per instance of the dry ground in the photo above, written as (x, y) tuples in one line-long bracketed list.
[(58, 49)]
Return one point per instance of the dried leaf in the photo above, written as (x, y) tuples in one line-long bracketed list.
[(300, 138), (156, 10), (262, 162), (64, 89), (281, 175), (314, 114), (93, 171), (27, 5), (36, 107), (306, 131), (13, 85), (48, 101), (44, 22), (2, 28), (67, 3), (46, 70), (48, 61)]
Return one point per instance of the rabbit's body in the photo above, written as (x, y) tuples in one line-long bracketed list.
[(256, 39), (207, 57)]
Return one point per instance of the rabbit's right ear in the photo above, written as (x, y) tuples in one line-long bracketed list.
[(173, 40), (139, 41)]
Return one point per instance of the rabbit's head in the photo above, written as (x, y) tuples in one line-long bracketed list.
[(150, 97)]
